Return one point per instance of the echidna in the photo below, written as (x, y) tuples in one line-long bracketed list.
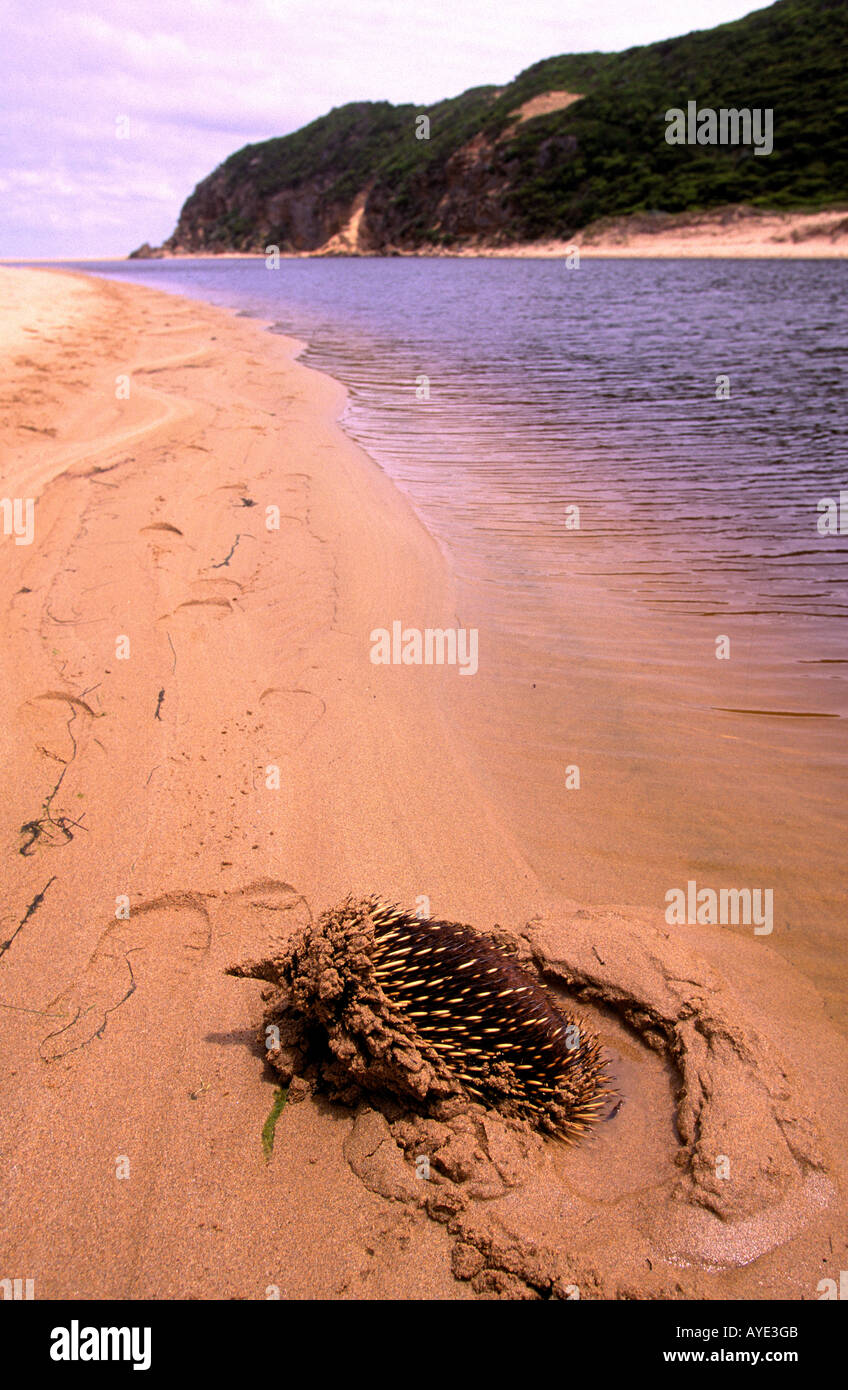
[(375, 999)]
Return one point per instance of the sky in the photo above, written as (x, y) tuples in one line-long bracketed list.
[(112, 111)]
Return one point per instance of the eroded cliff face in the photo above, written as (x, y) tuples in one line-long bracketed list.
[(571, 140), (220, 216), (463, 199)]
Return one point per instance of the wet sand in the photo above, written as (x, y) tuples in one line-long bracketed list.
[(201, 758)]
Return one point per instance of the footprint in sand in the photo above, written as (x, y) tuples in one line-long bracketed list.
[(161, 526), (162, 938), (137, 963)]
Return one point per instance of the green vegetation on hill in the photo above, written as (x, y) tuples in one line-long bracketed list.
[(792, 58), (346, 145), (480, 175)]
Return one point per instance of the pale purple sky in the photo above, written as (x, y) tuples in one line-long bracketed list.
[(200, 78)]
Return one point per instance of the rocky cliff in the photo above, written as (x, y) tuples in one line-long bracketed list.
[(572, 139)]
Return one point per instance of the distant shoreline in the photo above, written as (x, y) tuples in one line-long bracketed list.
[(735, 232)]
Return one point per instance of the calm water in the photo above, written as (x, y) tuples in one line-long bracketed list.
[(551, 388)]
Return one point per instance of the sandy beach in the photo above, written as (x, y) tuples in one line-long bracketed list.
[(201, 757), (735, 232)]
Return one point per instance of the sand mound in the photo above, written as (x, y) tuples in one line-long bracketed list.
[(753, 1163)]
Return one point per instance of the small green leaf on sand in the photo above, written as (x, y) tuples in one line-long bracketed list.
[(270, 1124)]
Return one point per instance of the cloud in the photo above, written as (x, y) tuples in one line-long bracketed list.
[(200, 79)]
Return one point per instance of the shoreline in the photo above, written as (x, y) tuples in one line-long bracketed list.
[(279, 771), (736, 232)]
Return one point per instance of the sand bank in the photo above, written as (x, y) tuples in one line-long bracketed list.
[(733, 232), (202, 757)]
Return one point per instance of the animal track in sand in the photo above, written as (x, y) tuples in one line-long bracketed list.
[(170, 934), (203, 603), (224, 593), (219, 581), (69, 699), (40, 725), (167, 936), (301, 711)]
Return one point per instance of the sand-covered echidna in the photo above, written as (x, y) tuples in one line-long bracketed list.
[(375, 999)]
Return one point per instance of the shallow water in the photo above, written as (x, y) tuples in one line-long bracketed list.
[(550, 389), (596, 386)]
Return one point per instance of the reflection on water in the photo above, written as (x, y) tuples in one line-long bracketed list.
[(596, 387)]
